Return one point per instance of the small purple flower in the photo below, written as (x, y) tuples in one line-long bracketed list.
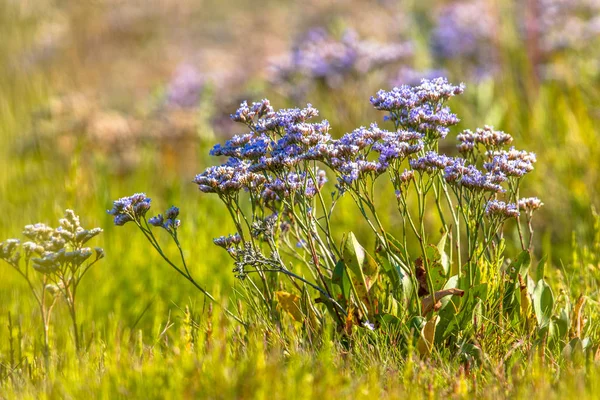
[(157, 221), (228, 241), (530, 204), (486, 136), (431, 162), (420, 107), (513, 163), (319, 56), (501, 209), (185, 88), (229, 178), (169, 221), (131, 208)]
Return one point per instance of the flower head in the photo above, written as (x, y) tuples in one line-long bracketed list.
[(420, 108), (530, 204), (496, 208), (131, 208)]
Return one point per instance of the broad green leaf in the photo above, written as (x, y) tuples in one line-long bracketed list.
[(470, 301), (439, 273), (574, 351), (520, 265), (562, 323), (541, 266), (341, 279), (395, 245), (543, 303), (358, 260), (364, 270), (425, 343), (452, 283), (441, 246)]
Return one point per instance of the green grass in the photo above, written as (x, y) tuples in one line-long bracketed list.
[(149, 334)]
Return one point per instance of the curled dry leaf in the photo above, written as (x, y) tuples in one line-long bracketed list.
[(427, 303)]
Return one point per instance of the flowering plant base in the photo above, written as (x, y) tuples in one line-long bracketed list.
[(429, 275)]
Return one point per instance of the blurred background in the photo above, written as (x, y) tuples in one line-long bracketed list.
[(103, 98)]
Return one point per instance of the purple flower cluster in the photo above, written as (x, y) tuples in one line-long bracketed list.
[(420, 108), (185, 88), (283, 188), (266, 160), (530, 204), (496, 208), (488, 137), (468, 176), (319, 56), (229, 178), (512, 163), (169, 221), (271, 159), (465, 30), (131, 208), (228, 241), (351, 157), (431, 161)]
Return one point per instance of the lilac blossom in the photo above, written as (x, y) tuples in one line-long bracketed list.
[(431, 162), (530, 204), (228, 241), (185, 88), (468, 176), (488, 137), (169, 221), (513, 162), (131, 208), (420, 107), (496, 208), (229, 178), (319, 56)]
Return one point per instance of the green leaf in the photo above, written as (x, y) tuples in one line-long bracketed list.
[(471, 299), (444, 260), (541, 266), (439, 273), (520, 265), (358, 260), (364, 271), (543, 303), (341, 279), (563, 322), (574, 351), (452, 283), (394, 244)]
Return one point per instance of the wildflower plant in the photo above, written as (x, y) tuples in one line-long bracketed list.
[(273, 186), (134, 209), (321, 58), (53, 262)]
